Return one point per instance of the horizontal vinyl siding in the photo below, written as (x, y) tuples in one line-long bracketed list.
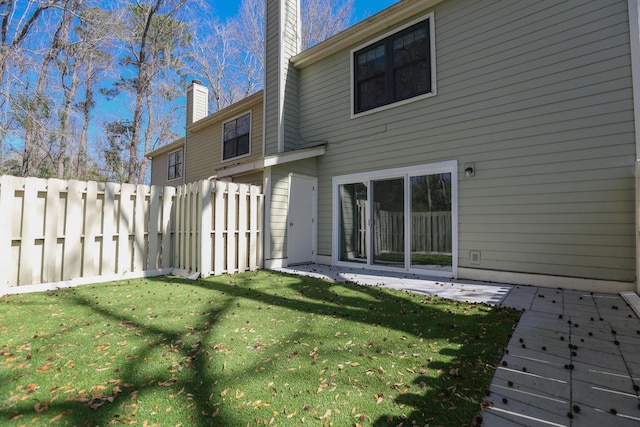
[(160, 171), (253, 179), (538, 96), (280, 202), (204, 147), (279, 206)]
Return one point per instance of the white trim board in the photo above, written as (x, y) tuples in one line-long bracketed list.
[(545, 281), (42, 287)]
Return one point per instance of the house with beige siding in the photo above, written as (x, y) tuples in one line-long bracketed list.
[(484, 140)]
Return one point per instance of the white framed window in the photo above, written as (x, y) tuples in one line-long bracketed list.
[(396, 68), (398, 219), (236, 137), (175, 165)]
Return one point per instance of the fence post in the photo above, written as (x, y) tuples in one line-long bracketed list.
[(8, 185), (206, 219)]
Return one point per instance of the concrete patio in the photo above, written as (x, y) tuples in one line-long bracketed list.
[(573, 359)]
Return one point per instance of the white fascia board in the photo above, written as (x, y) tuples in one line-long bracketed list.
[(274, 160)]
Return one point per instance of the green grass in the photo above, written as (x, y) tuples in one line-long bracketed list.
[(417, 259), (251, 349)]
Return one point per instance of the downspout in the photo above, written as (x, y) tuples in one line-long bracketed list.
[(634, 33)]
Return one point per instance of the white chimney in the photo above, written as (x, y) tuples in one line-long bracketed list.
[(197, 102)]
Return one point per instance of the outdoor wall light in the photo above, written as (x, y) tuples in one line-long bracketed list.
[(469, 170)]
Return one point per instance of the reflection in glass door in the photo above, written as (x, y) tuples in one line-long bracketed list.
[(431, 227), (353, 222), (388, 222)]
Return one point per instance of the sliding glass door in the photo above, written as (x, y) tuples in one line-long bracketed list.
[(431, 227), (402, 219), (388, 228)]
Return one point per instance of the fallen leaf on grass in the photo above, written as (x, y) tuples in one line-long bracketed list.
[(41, 407), (59, 416), (44, 368), (224, 392)]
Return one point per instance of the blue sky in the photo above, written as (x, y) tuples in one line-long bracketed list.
[(362, 8)]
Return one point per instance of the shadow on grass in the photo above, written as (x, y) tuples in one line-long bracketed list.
[(188, 353)]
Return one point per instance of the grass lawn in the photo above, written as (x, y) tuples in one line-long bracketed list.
[(250, 349)]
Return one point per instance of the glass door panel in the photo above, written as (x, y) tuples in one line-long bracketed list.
[(388, 222), (431, 227), (353, 222)]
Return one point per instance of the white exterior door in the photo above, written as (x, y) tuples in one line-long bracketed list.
[(301, 242)]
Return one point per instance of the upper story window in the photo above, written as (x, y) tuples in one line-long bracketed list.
[(395, 68), (175, 164), (236, 137)]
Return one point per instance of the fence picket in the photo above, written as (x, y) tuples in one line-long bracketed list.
[(243, 214), (167, 200), (108, 230), (232, 226), (218, 228), (90, 230), (139, 238), (72, 256), (153, 253), (50, 230)]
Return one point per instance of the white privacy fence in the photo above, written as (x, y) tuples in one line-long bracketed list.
[(55, 231), (430, 232), (217, 227)]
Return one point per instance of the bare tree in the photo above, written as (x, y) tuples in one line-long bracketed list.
[(97, 32), (322, 19), (39, 103), (230, 57), (17, 22), (213, 55), (151, 46)]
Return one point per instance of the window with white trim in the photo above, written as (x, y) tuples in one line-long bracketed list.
[(236, 137), (175, 164), (395, 68)]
